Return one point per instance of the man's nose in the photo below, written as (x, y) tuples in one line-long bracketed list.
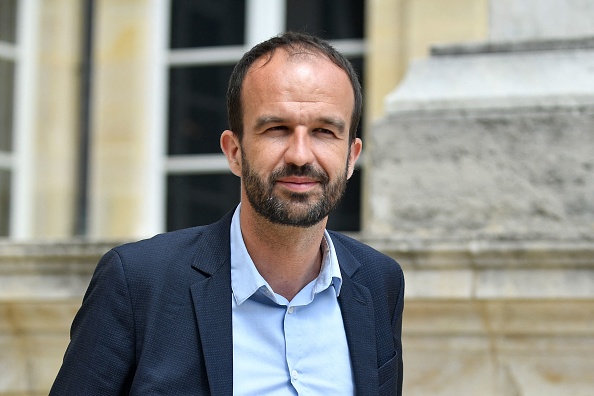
[(299, 150)]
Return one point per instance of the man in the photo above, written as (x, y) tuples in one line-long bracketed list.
[(265, 301)]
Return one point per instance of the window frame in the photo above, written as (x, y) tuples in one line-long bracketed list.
[(19, 161)]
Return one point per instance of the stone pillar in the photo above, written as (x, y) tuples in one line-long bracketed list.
[(122, 161), (56, 120), (480, 182)]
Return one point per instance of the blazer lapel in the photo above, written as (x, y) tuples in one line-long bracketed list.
[(211, 297), (359, 322)]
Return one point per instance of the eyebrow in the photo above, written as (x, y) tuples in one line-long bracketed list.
[(269, 119), (336, 122)]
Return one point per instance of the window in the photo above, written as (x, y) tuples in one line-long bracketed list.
[(329, 19), (8, 15), (207, 38), (18, 23)]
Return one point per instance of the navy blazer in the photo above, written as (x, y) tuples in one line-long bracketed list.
[(156, 318)]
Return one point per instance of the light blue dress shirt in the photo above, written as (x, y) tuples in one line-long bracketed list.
[(282, 347)]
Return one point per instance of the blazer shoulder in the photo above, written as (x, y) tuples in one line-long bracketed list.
[(176, 248), (364, 253)]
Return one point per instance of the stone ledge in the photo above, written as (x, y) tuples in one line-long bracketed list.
[(497, 80), (473, 48), (418, 253), (48, 271), (10, 250), (493, 270), (435, 269)]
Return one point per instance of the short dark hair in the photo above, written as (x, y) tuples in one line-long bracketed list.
[(288, 40)]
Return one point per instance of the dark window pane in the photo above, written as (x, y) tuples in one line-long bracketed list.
[(4, 201), (6, 104), (197, 109), (8, 20), (200, 199), (329, 19), (207, 23), (346, 217)]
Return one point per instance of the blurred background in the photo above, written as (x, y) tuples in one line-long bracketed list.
[(477, 173)]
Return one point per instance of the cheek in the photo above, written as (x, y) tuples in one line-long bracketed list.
[(334, 161), (257, 165), (264, 160)]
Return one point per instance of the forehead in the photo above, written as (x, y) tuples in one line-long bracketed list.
[(296, 72), (286, 57)]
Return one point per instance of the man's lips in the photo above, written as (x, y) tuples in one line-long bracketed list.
[(297, 183)]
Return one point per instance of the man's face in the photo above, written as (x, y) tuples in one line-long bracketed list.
[(295, 151)]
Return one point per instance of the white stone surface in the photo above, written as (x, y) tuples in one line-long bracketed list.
[(540, 19), (518, 172), (505, 80), (498, 348)]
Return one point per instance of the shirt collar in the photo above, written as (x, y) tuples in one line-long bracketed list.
[(246, 280)]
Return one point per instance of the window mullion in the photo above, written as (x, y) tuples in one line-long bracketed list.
[(154, 205), (21, 221), (6, 160), (264, 19), (7, 51)]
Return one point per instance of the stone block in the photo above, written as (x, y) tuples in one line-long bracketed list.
[(13, 365), (487, 144), (498, 347), (540, 19), (41, 288)]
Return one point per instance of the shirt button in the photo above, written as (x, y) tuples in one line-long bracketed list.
[(291, 310), (294, 375)]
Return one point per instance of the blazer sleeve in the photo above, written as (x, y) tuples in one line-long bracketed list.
[(100, 357)]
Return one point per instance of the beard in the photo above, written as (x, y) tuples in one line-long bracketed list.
[(299, 209)]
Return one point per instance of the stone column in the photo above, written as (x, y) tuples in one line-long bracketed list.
[(122, 161), (55, 116)]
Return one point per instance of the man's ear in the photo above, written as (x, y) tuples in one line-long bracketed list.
[(354, 154), (232, 150)]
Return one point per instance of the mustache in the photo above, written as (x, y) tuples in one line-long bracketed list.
[(307, 170)]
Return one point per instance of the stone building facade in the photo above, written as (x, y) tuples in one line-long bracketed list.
[(477, 177)]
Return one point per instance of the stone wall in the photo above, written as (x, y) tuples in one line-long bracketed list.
[(480, 182), (41, 287), (481, 317), (496, 318)]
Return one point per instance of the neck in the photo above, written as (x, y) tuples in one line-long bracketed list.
[(287, 257)]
